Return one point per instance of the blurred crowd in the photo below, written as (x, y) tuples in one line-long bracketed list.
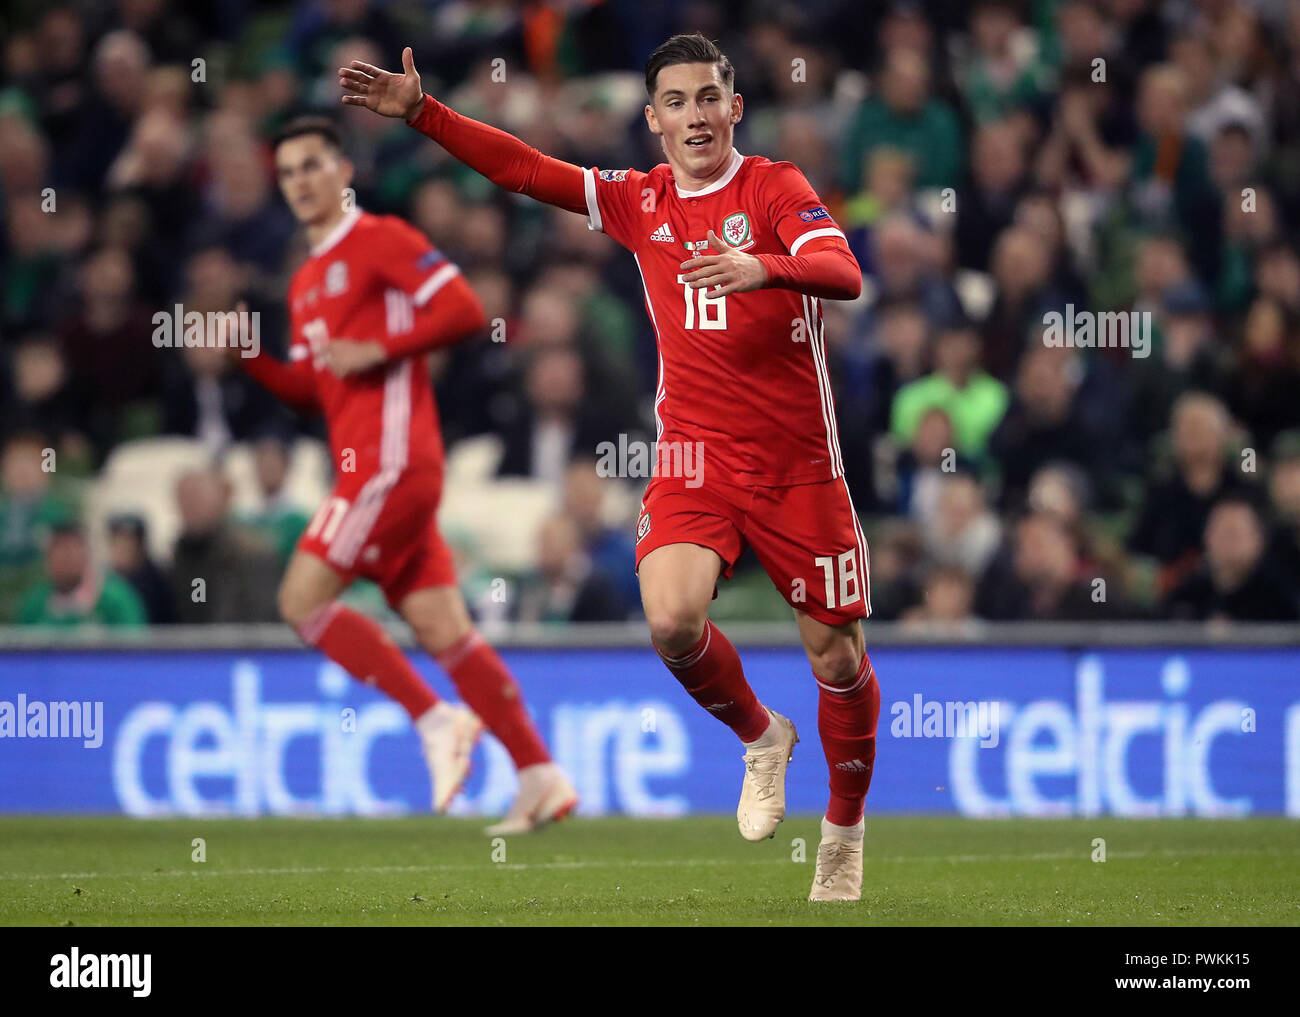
[(991, 162)]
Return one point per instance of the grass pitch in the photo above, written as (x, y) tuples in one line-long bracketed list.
[(64, 871)]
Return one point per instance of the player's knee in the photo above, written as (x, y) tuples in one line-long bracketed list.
[(675, 628), (295, 605), (837, 664)]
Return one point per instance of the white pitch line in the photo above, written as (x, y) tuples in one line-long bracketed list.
[(634, 863)]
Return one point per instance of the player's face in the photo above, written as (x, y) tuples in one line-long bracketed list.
[(313, 176), (695, 114)]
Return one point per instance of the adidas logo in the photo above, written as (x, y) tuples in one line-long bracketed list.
[(853, 766), (663, 233), (719, 707)]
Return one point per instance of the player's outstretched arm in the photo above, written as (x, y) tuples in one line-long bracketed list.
[(291, 383), (501, 157)]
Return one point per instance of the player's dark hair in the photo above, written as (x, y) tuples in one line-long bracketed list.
[(687, 49), (300, 127)]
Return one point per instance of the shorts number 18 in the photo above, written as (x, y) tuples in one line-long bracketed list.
[(846, 566)]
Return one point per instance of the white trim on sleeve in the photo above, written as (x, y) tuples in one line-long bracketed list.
[(593, 209), (803, 238), (434, 283)]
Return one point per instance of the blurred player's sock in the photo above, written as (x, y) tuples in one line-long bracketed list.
[(712, 674), (365, 651), (488, 688), (846, 719)]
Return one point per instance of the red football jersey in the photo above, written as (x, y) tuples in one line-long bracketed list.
[(743, 375), (362, 282)]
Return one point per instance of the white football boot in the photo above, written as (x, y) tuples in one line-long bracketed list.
[(545, 795), (839, 862), (448, 733), (762, 795)]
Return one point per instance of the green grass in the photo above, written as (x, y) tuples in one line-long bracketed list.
[(429, 871)]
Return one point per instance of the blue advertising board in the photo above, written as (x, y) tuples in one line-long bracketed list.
[(980, 731)]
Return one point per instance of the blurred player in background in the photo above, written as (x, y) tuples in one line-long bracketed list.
[(371, 300), (735, 255)]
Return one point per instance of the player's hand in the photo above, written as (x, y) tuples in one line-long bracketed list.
[(727, 271), (353, 356), (382, 92)]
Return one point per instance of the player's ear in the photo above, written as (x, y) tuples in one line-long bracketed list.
[(347, 169), (651, 120), (737, 107)]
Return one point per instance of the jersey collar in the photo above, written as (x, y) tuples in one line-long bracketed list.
[(720, 183), (337, 233)]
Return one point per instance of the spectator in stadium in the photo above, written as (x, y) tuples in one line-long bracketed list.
[(896, 563), (1180, 492), (1170, 183), (907, 261), (75, 591), (276, 517), (923, 465), (1038, 576), (1187, 357), (974, 400), (1235, 582), (886, 192), (904, 114), (1084, 152), (220, 572), (1261, 391), (998, 182), (1284, 504), (1039, 212), (1045, 422), (946, 601), (1022, 295), (610, 548), (128, 557), (1002, 78), (30, 505), (962, 530), (120, 67), (553, 425), (1213, 99), (40, 397), (893, 352), (565, 585), (107, 340)]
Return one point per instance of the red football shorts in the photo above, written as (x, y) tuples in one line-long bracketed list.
[(385, 529), (806, 537)]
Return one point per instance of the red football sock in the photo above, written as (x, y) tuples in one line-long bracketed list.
[(846, 720), (712, 674), (362, 648), (488, 688)]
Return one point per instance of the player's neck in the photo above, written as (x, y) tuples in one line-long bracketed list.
[(688, 183), (318, 231)]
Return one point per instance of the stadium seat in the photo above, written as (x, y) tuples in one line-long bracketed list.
[(501, 516), (309, 479), (140, 478)]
